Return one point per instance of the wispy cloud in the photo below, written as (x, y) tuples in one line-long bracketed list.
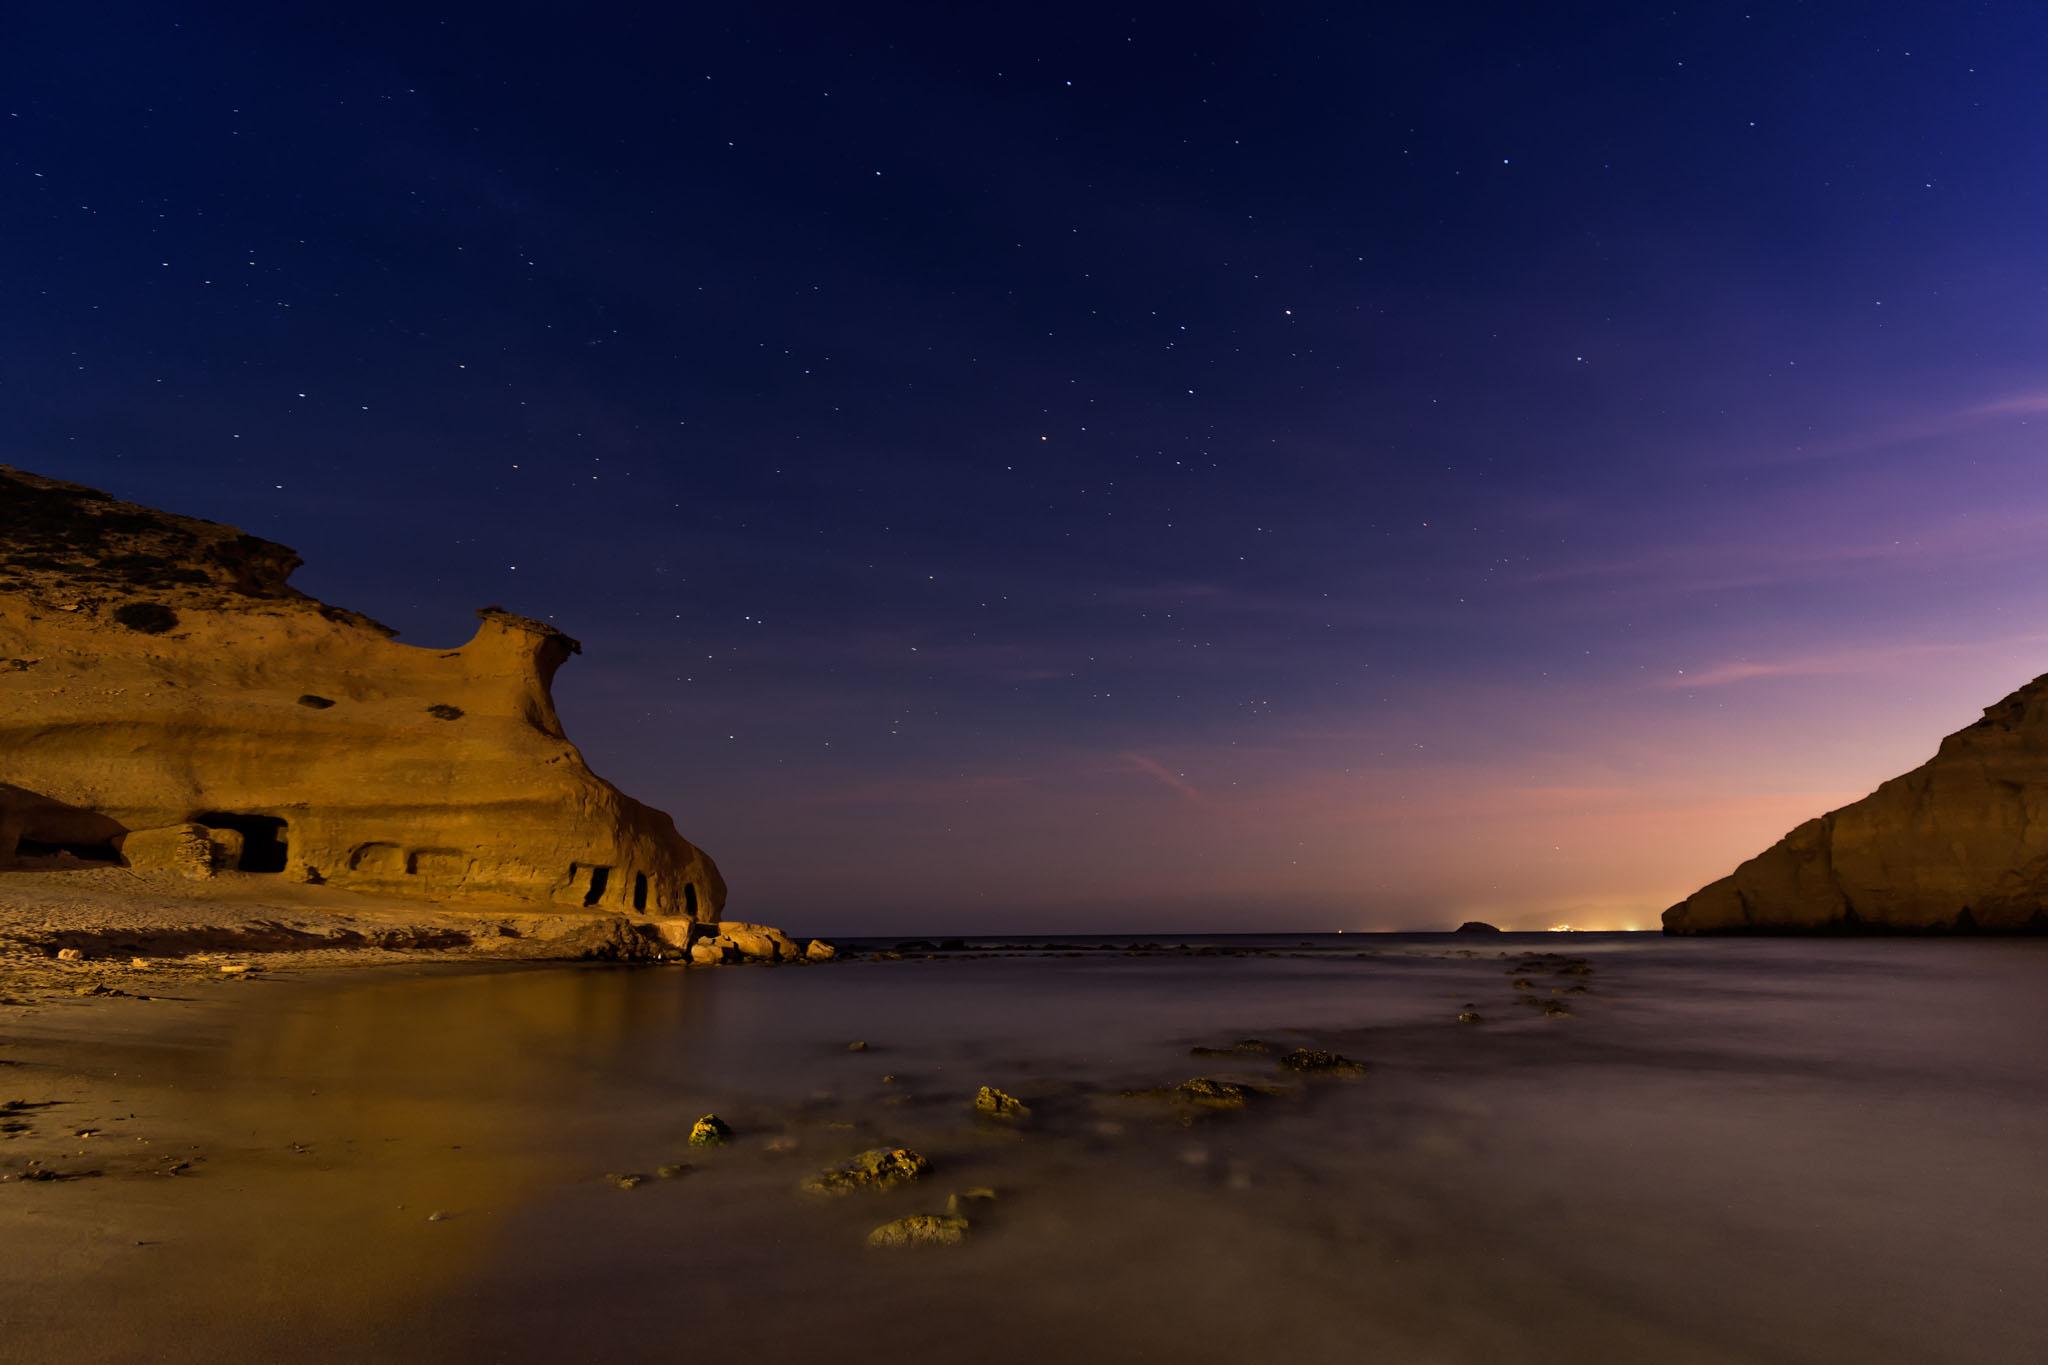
[(1159, 772), (2013, 405), (1838, 662)]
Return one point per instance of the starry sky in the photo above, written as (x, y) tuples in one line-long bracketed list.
[(1093, 468)]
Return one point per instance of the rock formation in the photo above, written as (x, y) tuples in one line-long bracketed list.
[(167, 700), (1959, 844)]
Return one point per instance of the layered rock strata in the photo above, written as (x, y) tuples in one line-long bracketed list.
[(169, 701)]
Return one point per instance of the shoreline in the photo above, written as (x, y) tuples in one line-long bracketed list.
[(115, 933)]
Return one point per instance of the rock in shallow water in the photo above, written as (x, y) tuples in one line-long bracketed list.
[(1200, 1092), (921, 1230), (878, 1168), (709, 1131), (999, 1104)]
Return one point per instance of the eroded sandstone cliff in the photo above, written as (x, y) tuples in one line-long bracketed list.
[(168, 700), (1959, 844)]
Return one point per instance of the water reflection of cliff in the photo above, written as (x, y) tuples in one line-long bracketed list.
[(372, 1106)]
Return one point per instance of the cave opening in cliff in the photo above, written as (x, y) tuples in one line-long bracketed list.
[(264, 846), (600, 877), (86, 852), (690, 899), (639, 890)]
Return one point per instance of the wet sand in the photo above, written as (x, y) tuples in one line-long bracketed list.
[(1726, 1151)]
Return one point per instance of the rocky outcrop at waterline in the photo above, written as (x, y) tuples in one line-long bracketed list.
[(1958, 845), (171, 704)]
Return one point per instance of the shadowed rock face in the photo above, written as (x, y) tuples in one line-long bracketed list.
[(158, 673), (1960, 844)]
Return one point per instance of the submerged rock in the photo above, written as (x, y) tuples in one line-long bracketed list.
[(999, 1104), (1468, 1015), (1241, 1046), (1200, 1092), (709, 1131), (921, 1230), (878, 1168), (961, 1201), (1314, 1059), (625, 1181)]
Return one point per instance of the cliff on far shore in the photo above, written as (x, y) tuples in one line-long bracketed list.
[(1958, 845)]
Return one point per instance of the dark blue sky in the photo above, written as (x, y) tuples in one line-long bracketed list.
[(1073, 467)]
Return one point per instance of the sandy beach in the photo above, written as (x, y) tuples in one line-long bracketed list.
[(114, 932), (1701, 1152)]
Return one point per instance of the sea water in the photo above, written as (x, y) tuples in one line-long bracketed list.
[(1726, 1151)]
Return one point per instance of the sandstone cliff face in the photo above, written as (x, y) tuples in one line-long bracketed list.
[(1959, 844), (167, 699)]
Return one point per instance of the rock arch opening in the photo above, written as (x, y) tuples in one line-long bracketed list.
[(639, 890), (600, 877), (690, 899), (264, 843)]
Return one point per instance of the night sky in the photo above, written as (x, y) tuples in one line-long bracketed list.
[(1097, 468)]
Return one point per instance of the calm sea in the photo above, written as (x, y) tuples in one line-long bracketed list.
[(1726, 1151)]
